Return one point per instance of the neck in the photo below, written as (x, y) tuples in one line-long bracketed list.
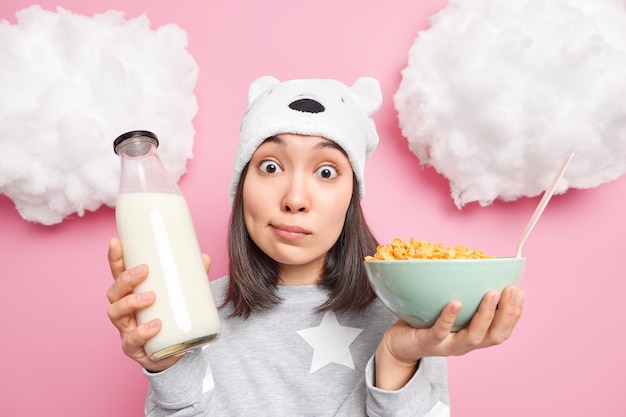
[(300, 274)]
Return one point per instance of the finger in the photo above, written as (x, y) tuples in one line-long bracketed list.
[(507, 315), (207, 261), (134, 347), (126, 283), (123, 311), (443, 326), (133, 344), (116, 259), (482, 319)]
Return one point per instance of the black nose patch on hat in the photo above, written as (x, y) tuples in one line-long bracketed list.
[(307, 105)]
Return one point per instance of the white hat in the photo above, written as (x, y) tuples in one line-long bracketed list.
[(312, 107)]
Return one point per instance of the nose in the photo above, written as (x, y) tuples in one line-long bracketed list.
[(296, 198)]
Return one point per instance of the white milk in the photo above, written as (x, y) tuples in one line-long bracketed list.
[(157, 230)]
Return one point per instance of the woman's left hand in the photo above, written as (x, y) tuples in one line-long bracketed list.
[(403, 346)]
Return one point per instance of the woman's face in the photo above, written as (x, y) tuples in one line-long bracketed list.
[(295, 197)]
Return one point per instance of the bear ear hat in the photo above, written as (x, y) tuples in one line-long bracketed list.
[(368, 94), (259, 86), (365, 89)]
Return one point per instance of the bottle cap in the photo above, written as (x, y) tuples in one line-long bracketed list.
[(134, 134)]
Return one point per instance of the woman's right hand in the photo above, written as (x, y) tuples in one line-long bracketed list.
[(123, 306)]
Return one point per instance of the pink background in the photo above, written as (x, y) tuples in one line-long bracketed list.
[(61, 356)]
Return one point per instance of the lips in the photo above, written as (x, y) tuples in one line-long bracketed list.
[(290, 232)]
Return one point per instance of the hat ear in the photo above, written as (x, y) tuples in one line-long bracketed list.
[(368, 93), (259, 86)]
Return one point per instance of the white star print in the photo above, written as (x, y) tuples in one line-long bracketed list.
[(330, 342), (207, 383)]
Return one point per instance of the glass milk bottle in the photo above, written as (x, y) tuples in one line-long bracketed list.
[(155, 227)]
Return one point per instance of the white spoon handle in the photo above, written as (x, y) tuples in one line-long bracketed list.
[(542, 204)]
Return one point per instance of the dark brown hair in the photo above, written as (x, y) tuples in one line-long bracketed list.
[(253, 275)]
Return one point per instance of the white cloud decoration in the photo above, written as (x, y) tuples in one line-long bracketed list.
[(497, 93), (69, 85)]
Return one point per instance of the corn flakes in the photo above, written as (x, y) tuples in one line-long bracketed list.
[(421, 249)]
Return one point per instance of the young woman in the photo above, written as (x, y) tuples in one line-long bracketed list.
[(302, 332)]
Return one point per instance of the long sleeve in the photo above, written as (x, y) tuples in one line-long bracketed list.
[(292, 360), (426, 394), (179, 391)]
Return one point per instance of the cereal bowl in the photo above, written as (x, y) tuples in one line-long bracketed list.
[(417, 290)]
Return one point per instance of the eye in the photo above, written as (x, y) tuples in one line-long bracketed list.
[(270, 167), (327, 172)]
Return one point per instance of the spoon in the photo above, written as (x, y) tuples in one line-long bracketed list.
[(542, 204)]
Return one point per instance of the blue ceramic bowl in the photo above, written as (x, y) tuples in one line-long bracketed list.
[(418, 290)]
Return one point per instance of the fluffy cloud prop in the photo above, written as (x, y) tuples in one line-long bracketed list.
[(497, 93), (70, 84)]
